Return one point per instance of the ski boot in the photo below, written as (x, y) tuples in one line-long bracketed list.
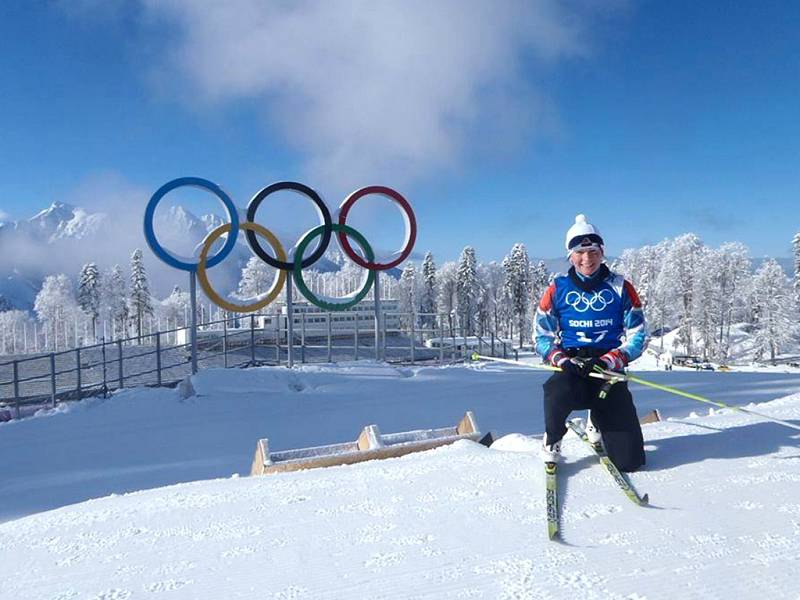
[(550, 453)]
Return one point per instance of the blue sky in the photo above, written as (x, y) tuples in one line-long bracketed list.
[(653, 118)]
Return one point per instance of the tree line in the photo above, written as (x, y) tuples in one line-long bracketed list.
[(711, 296)]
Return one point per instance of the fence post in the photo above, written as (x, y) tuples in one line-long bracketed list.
[(78, 370), (383, 335), (330, 347), (158, 358), (16, 388), (193, 332), (53, 378), (413, 334), (278, 338), (289, 325), (303, 336), (376, 293), (252, 340), (119, 358), (105, 374), (355, 344), (441, 340), (225, 342)]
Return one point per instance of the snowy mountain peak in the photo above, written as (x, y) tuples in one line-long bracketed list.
[(81, 225), (50, 217)]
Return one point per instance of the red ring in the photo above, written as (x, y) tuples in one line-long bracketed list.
[(411, 231)]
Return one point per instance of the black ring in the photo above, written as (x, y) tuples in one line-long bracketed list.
[(252, 240)]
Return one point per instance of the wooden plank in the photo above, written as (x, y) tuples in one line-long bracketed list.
[(370, 445)]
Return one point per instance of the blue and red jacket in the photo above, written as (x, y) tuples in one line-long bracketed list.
[(602, 312)]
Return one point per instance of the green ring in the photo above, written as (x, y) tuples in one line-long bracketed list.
[(297, 271)]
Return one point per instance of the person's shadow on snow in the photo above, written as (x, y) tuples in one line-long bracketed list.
[(756, 439)]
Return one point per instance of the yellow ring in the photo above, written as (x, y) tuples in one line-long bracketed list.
[(202, 276)]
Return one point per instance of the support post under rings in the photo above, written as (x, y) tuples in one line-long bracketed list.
[(289, 326), (193, 331), (376, 290)]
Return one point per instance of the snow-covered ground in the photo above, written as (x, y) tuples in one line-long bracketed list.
[(462, 521)]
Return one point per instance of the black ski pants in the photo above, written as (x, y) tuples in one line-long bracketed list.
[(614, 416)]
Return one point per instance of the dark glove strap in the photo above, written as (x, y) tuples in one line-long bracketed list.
[(586, 352)]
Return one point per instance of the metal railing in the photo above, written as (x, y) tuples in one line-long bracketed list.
[(163, 358)]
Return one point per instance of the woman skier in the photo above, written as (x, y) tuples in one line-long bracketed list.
[(589, 317)]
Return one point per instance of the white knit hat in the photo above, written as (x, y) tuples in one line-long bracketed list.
[(583, 234)]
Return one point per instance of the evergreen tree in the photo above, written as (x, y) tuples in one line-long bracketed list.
[(141, 302), (428, 291), (89, 294), (518, 285), (467, 290)]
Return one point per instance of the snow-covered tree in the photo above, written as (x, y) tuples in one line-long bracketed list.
[(796, 255), (54, 304), (257, 277), (518, 286), (407, 297), (427, 293), (89, 294), (447, 293), (492, 280), (12, 331), (467, 290), (115, 303), (776, 324), (141, 301), (706, 307), (540, 279), (679, 273), (732, 274), (175, 307)]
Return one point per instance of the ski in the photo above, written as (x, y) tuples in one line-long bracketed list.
[(619, 478), (551, 495)]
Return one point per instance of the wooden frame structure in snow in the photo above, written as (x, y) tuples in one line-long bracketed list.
[(370, 445)]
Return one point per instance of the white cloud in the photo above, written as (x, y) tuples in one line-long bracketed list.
[(4, 216), (373, 89)]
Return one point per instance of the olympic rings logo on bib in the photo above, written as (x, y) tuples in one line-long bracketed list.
[(279, 260), (582, 302)]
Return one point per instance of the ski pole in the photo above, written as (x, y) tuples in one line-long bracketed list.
[(608, 377), (677, 392)]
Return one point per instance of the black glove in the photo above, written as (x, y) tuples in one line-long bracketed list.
[(580, 367)]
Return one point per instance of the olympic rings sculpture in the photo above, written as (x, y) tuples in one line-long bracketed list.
[(280, 261), (581, 302)]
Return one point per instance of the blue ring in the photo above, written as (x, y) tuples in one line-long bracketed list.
[(163, 253)]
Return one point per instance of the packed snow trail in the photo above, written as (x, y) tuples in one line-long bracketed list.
[(461, 521), (143, 438)]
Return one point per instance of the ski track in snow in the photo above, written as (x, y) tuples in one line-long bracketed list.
[(461, 521)]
